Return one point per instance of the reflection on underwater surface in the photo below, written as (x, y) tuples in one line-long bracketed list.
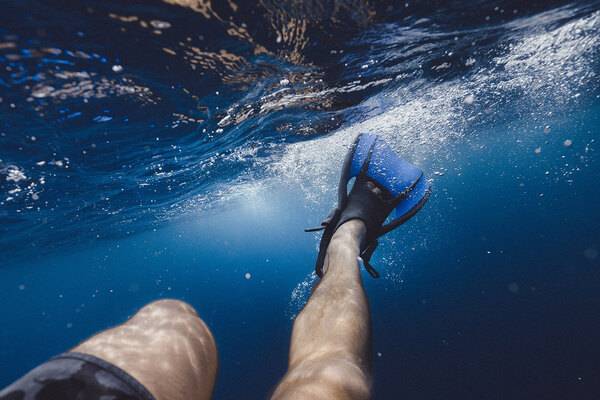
[(118, 119)]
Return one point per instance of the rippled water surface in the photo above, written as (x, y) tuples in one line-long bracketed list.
[(174, 149)]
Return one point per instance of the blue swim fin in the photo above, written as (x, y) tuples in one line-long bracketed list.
[(384, 183)]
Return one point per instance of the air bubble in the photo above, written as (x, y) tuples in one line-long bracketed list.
[(590, 253), (160, 24)]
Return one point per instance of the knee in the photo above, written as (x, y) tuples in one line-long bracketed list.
[(169, 307), (336, 378), (176, 317)]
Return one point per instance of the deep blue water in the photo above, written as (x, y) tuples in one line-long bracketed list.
[(165, 149)]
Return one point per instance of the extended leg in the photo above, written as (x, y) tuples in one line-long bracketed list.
[(165, 346), (330, 349)]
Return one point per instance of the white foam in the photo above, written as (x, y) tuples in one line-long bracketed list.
[(552, 62), (419, 119)]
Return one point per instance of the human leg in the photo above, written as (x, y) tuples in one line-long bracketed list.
[(329, 353), (165, 346)]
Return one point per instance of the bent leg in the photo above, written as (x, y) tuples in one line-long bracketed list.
[(165, 346), (330, 348)]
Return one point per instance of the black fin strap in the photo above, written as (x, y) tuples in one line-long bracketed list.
[(334, 214), (329, 225), (366, 254)]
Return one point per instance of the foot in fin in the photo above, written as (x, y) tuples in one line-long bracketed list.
[(384, 183)]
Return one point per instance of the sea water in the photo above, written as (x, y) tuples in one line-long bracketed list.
[(178, 149)]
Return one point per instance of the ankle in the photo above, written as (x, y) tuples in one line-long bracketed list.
[(349, 235), (344, 248)]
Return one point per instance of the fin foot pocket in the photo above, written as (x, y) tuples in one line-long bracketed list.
[(384, 183)]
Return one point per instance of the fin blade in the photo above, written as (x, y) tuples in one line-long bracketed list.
[(396, 175)]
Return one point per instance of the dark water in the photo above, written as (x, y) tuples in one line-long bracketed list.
[(166, 149)]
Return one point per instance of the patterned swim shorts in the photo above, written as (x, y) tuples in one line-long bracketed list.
[(76, 376)]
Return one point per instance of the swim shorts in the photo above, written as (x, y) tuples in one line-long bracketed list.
[(76, 376)]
